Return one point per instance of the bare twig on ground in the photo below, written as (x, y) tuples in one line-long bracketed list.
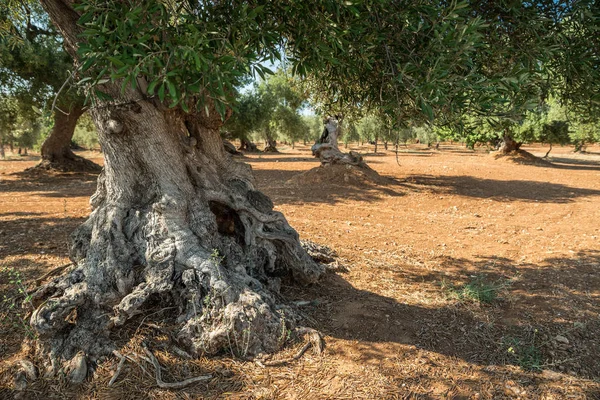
[(119, 368), (173, 385), (314, 339)]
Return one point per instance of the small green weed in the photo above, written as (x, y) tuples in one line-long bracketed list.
[(525, 354), (16, 302), (478, 290)]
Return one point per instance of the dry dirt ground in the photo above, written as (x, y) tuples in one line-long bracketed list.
[(402, 321)]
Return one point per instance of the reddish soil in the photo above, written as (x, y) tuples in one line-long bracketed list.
[(395, 324)]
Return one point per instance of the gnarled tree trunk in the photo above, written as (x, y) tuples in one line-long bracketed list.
[(248, 146), (56, 149), (176, 221), (508, 144), (271, 146), (327, 150)]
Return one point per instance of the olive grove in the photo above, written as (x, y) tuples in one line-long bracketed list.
[(175, 220)]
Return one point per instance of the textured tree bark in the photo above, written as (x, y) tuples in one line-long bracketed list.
[(175, 221), (508, 144), (230, 148), (271, 146), (56, 149), (327, 150)]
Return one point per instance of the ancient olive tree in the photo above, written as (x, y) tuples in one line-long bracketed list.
[(33, 68), (175, 220)]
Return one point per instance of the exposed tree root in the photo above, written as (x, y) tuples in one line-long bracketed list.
[(176, 222), (248, 146), (324, 255), (329, 155), (119, 368), (319, 252), (218, 253), (314, 339), (174, 385), (26, 372)]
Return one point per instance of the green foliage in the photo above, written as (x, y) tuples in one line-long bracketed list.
[(525, 63), (187, 52), (85, 133), (425, 134), (578, 66), (17, 126), (314, 123), (270, 110), (464, 64), (9, 116), (370, 128), (410, 60), (350, 132), (404, 135)]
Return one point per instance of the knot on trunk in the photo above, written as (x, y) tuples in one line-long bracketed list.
[(114, 126)]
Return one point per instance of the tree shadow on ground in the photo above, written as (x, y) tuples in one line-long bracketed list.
[(500, 190), (414, 153), (453, 149), (274, 184), (559, 296), (574, 164), (407, 342), (37, 235), (20, 214), (17, 157), (59, 185)]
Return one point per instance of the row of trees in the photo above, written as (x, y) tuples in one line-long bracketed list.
[(269, 110)]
